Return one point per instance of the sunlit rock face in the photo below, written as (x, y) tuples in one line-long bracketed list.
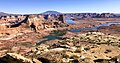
[(46, 21), (6, 22), (37, 20), (11, 25)]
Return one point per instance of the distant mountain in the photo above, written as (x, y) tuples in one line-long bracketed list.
[(3, 14), (117, 14), (7, 14), (51, 12)]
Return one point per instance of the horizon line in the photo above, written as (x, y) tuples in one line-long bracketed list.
[(61, 12)]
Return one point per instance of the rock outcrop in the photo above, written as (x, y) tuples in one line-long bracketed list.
[(14, 58), (89, 47)]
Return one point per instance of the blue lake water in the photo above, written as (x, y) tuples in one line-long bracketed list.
[(93, 28), (69, 21), (55, 35)]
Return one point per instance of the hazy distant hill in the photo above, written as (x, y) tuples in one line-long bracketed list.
[(7, 14), (51, 12), (3, 14)]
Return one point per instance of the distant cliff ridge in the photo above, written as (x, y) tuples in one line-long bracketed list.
[(75, 15)]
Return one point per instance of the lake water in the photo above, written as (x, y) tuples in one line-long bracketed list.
[(55, 34), (69, 21), (93, 28)]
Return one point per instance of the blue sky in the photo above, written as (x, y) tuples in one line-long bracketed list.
[(64, 6)]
